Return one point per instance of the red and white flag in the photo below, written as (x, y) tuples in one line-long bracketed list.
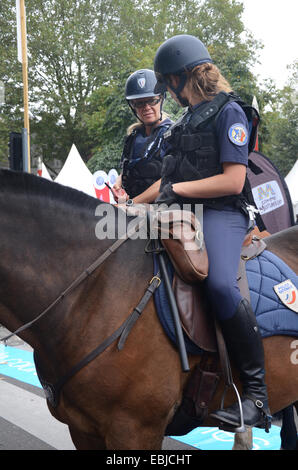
[(256, 106)]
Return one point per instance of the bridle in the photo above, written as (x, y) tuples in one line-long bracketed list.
[(52, 390)]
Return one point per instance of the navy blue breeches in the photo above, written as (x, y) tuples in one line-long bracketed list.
[(224, 233)]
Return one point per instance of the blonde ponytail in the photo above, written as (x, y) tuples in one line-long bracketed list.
[(206, 81)]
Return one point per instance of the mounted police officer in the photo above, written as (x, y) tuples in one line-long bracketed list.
[(207, 165), (144, 146)]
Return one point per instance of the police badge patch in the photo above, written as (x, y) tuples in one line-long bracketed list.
[(238, 134), (141, 82), (287, 293)]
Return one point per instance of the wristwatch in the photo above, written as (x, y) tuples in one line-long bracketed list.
[(129, 202)]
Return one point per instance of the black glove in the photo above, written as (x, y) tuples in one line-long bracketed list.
[(167, 196)]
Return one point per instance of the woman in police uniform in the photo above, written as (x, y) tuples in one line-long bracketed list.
[(144, 147), (207, 165)]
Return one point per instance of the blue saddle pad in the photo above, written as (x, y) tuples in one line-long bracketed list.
[(263, 273), (273, 317)]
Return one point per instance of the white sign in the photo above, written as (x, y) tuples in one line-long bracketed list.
[(268, 197)]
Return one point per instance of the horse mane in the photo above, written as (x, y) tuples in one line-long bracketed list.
[(26, 183)]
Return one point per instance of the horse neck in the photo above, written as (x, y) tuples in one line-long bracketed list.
[(44, 248)]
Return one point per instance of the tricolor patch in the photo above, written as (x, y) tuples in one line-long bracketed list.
[(238, 134), (287, 293)]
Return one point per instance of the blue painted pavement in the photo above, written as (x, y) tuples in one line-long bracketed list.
[(215, 439), (19, 364)]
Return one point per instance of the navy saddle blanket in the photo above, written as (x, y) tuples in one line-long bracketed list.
[(263, 273)]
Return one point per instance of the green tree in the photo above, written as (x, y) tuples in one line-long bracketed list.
[(144, 25), (279, 133), (81, 52), (65, 67)]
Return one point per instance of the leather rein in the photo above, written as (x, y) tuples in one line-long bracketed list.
[(52, 390)]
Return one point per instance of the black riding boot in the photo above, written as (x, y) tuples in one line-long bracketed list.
[(245, 347)]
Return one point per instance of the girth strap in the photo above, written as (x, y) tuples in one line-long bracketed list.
[(153, 285)]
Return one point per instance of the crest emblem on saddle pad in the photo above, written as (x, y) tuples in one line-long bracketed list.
[(288, 294), (141, 82), (238, 134)]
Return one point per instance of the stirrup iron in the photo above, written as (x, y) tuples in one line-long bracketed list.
[(229, 427)]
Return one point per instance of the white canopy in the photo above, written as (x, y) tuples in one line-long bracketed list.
[(292, 182), (75, 173), (44, 172)]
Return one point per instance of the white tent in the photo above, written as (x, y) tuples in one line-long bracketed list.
[(292, 183), (75, 173), (44, 172)]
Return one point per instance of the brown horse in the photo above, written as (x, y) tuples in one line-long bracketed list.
[(122, 399)]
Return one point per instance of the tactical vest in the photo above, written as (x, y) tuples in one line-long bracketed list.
[(195, 153), (138, 174)]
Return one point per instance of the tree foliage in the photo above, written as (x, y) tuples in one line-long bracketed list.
[(80, 53), (279, 131)]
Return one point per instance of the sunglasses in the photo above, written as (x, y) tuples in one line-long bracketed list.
[(143, 103)]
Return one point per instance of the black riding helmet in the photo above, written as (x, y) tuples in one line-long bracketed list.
[(141, 84), (175, 56)]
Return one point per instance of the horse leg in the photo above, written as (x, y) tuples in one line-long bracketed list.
[(288, 433), (296, 407), (83, 441), (243, 440)]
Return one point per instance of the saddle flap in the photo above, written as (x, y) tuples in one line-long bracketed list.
[(193, 311), (252, 247), (182, 237)]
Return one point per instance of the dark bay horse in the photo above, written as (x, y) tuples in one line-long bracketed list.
[(122, 399)]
